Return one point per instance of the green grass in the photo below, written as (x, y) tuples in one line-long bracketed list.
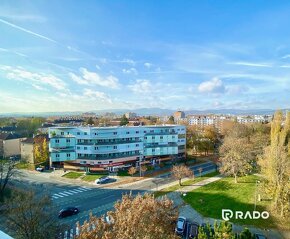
[(210, 199), (184, 184), (92, 177), (73, 175)]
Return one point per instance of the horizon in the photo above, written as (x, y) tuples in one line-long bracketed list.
[(61, 57)]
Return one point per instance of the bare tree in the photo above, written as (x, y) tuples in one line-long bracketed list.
[(132, 171), (31, 217), (143, 169), (7, 170), (140, 217), (200, 171), (181, 171)]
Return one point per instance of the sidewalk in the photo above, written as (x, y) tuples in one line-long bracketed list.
[(191, 214)]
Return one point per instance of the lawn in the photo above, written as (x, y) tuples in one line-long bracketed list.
[(185, 183), (92, 177), (210, 199), (73, 175)]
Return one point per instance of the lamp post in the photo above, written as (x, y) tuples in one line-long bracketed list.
[(257, 182)]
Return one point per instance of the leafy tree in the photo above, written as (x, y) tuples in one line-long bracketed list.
[(246, 234), (170, 120), (31, 217), (124, 120), (7, 170), (132, 171), (275, 164), (181, 171), (90, 121), (223, 230), (40, 148), (143, 169), (140, 217), (235, 157)]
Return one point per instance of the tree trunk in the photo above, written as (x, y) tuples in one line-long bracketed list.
[(180, 182), (236, 178)]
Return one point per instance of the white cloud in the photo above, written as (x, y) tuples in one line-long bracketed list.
[(147, 65), (93, 78), (213, 86), (141, 86), (97, 95), (130, 71), (250, 64), (78, 79), (35, 79)]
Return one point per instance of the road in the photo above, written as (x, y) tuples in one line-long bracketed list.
[(91, 198)]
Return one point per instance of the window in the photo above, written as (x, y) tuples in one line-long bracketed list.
[(68, 155), (137, 132), (127, 132), (57, 141), (85, 148), (78, 147), (153, 150), (68, 140), (96, 148), (78, 133), (62, 133), (57, 155), (85, 133), (145, 137), (95, 133), (79, 141), (67, 133), (153, 137), (161, 137), (137, 145), (115, 147), (115, 133)]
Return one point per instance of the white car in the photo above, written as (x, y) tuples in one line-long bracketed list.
[(39, 169), (102, 180), (180, 225)]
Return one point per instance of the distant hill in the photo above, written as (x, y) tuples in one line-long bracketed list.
[(147, 111)]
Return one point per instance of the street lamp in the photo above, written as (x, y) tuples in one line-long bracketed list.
[(257, 182)]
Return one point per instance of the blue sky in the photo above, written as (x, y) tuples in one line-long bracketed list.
[(90, 55)]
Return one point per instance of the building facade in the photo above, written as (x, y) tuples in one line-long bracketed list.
[(9, 144), (110, 148)]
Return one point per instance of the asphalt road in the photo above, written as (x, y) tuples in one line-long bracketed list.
[(94, 199)]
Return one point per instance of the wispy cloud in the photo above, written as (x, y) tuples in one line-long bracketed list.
[(92, 78), (241, 63), (132, 70), (27, 31)]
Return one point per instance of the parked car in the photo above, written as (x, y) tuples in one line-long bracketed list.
[(69, 211), (192, 231), (260, 236), (104, 180), (180, 225), (39, 169)]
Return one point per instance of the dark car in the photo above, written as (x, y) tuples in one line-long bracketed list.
[(69, 211), (192, 230), (180, 225)]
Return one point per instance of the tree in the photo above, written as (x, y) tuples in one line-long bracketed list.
[(132, 171), (31, 217), (7, 170), (143, 169), (170, 120), (246, 234), (235, 157), (124, 120), (181, 171), (41, 153), (140, 217), (275, 164), (90, 121)]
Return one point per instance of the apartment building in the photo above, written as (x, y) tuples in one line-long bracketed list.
[(254, 119), (202, 120), (9, 144), (130, 115), (110, 148)]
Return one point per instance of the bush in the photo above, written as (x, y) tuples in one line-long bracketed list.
[(149, 167), (123, 173)]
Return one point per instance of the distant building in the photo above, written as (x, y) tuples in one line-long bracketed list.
[(89, 115), (245, 119), (10, 144), (202, 120), (130, 115), (178, 115)]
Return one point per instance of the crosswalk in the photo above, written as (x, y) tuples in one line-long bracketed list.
[(70, 192)]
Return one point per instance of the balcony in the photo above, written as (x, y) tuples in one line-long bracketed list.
[(95, 157), (110, 143)]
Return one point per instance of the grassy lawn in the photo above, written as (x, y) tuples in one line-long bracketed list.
[(73, 175), (210, 199), (184, 184), (91, 178)]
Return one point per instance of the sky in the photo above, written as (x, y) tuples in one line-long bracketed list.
[(89, 55)]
